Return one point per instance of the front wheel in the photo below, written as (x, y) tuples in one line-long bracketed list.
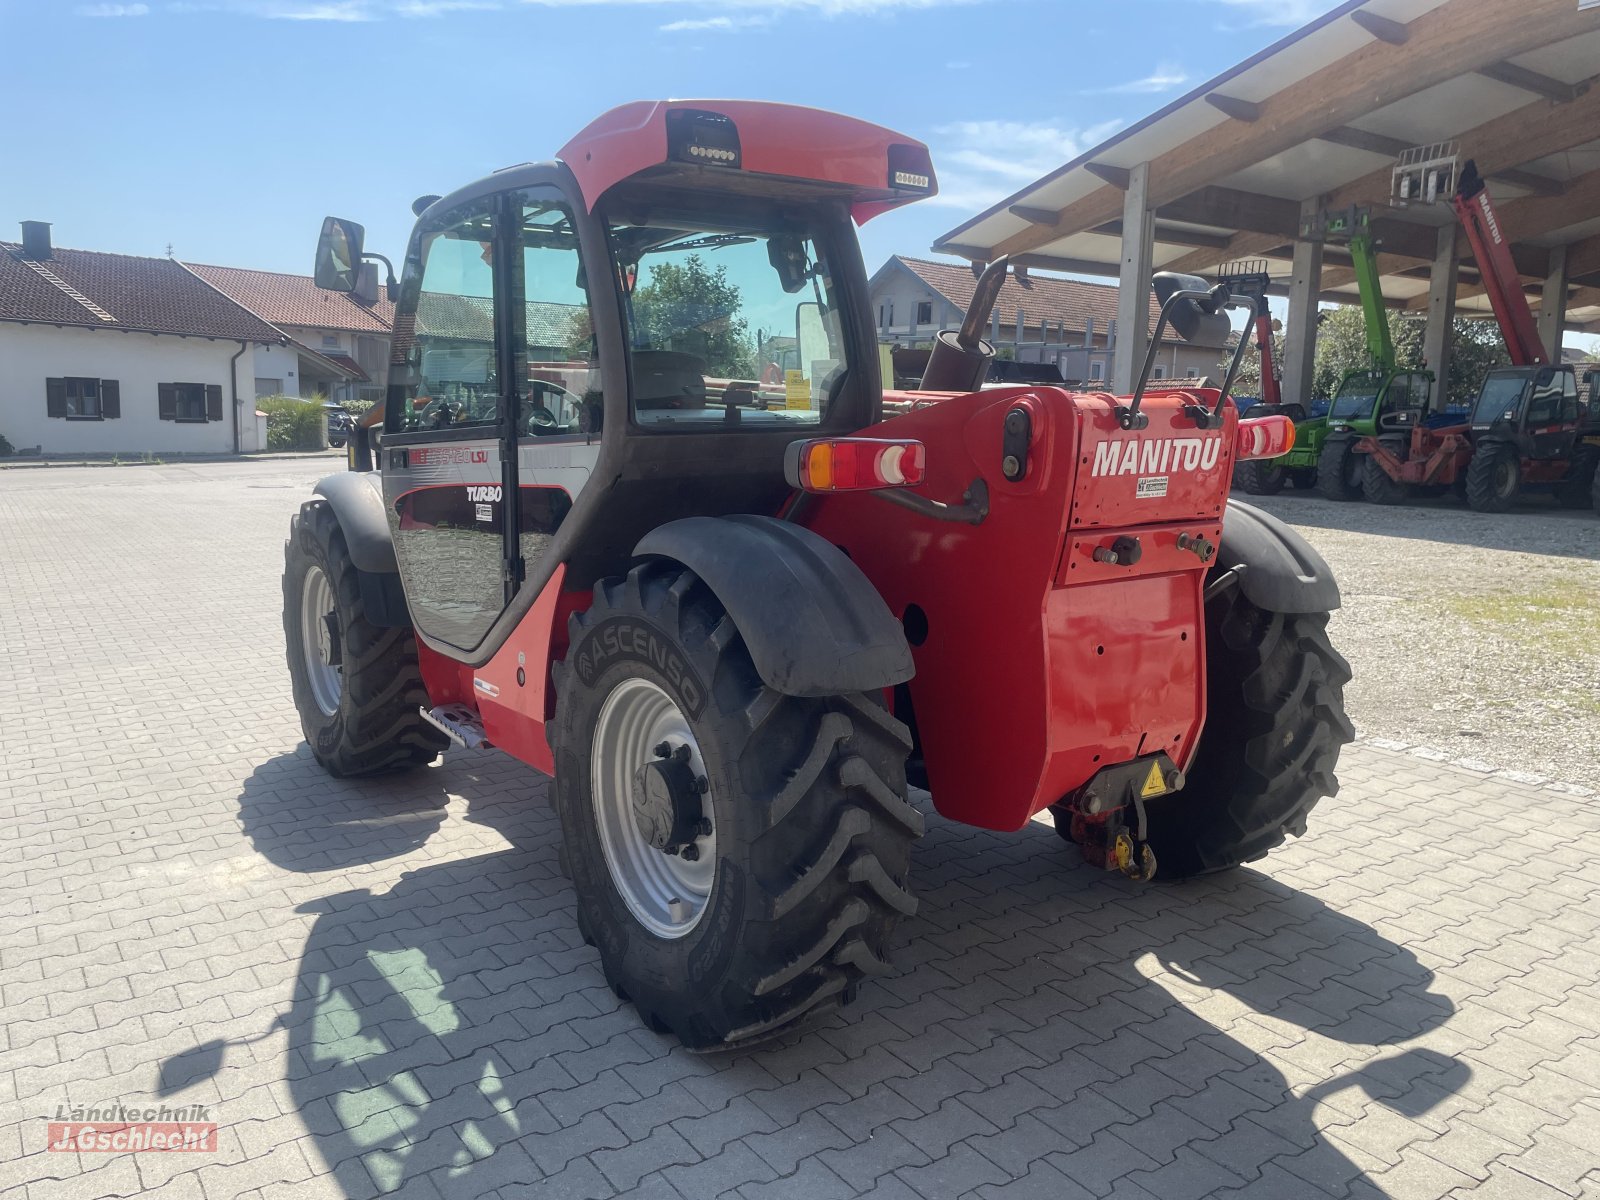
[(739, 856), (1260, 478), (1339, 469), (1494, 477), (1377, 485), (357, 685), (1577, 489), (1275, 723)]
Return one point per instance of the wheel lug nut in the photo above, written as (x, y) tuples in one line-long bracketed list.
[(691, 852), (663, 750), (703, 827), (681, 753), (702, 785)]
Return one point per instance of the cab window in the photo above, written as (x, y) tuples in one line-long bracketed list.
[(1544, 405), (731, 324)]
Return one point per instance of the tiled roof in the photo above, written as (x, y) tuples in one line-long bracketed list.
[(296, 300), (471, 319), (1040, 297), (150, 294), (349, 364)]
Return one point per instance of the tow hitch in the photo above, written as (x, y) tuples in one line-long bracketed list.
[(1108, 816)]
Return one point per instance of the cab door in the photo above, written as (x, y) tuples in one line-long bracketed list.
[(1552, 413)]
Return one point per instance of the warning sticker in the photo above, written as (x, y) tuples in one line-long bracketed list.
[(796, 390), (1151, 487), (1155, 783)]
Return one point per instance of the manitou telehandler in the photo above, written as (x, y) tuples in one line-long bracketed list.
[(1528, 424), (1299, 466), (730, 619)]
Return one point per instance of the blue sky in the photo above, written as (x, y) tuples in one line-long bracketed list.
[(228, 128)]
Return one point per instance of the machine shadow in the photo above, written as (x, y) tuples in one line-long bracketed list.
[(456, 1026)]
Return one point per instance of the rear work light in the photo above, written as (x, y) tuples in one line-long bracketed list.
[(910, 169), (708, 138), (854, 464), (1264, 437)]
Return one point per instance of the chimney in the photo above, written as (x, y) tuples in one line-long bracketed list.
[(36, 240)]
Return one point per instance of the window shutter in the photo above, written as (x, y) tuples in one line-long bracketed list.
[(110, 399), (55, 398), (213, 402), (167, 401)]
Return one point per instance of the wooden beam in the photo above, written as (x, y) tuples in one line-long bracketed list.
[(1583, 259), (1381, 28), (1231, 208), (1168, 236), (1039, 216), (1538, 184), (1531, 81), (1360, 139), (1456, 37), (1039, 262), (1232, 106), (1501, 145), (1117, 177)]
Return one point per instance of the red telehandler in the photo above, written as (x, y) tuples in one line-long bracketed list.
[(732, 621), (1527, 425)]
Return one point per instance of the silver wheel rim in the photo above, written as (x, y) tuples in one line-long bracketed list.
[(666, 893), (316, 605)]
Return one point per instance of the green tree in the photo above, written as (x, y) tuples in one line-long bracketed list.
[(693, 308), (1476, 346)]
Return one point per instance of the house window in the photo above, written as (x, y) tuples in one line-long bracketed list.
[(268, 387), (1097, 370), (925, 312), (189, 402), (78, 398), (330, 340), (1159, 373)]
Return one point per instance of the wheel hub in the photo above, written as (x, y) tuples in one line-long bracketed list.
[(667, 801)]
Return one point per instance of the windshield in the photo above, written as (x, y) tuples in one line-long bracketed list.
[(731, 324), (1499, 398), (1357, 396)]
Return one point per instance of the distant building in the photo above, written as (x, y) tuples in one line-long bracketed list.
[(1039, 318)]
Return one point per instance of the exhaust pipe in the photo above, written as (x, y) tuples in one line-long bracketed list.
[(961, 358)]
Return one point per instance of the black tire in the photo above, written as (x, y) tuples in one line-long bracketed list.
[(1302, 479), (1377, 487), (813, 830), (1494, 477), (1275, 724), (377, 725), (1339, 469), (1260, 477), (1576, 490)]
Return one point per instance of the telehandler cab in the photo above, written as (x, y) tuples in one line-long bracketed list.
[(729, 604)]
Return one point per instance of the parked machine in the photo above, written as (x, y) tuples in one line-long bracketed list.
[(731, 627), (1299, 466), (1528, 425), (1377, 398)]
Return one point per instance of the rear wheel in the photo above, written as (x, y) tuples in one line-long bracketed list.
[(1577, 489), (1494, 477), (739, 856), (1275, 724), (1377, 486), (356, 684), (1339, 469), (1260, 477)]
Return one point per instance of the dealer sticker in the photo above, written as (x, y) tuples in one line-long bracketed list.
[(1151, 487), (486, 511)]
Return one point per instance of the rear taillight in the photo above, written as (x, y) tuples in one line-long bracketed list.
[(854, 464), (1264, 437)]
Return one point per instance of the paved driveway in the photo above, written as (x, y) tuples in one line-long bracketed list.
[(379, 987)]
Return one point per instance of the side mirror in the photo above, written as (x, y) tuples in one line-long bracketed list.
[(1195, 321), (339, 255)]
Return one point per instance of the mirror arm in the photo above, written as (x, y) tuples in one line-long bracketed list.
[(391, 282), (1129, 416)]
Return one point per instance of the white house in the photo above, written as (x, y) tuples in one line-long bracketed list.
[(103, 353)]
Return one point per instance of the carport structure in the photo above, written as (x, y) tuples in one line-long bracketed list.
[(1243, 167)]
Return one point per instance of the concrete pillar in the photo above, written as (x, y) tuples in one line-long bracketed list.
[(1436, 339), (1133, 291), (1300, 330), (1553, 303)]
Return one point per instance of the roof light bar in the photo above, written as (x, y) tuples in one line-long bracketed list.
[(854, 464), (910, 169), (705, 138)]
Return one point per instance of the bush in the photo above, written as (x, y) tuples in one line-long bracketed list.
[(6, 448), (357, 408), (292, 423)]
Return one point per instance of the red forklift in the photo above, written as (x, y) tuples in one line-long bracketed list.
[(1527, 426), (1260, 477)]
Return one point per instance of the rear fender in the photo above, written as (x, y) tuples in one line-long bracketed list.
[(357, 501), (1277, 568), (812, 622)]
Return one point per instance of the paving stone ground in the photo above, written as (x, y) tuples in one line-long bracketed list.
[(379, 988)]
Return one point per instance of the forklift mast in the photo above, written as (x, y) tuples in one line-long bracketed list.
[(1354, 227), (1429, 173), (1250, 278)]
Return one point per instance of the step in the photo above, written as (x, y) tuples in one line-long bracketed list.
[(458, 723)]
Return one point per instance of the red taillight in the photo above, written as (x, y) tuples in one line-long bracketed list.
[(1264, 437), (854, 464)]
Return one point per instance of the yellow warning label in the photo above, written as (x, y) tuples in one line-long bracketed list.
[(796, 390), (1154, 783)]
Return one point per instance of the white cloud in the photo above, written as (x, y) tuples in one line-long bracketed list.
[(1164, 78), (113, 10), (1288, 13), (339, 10), (717, 24), (437, 8), (981, 162), (831, 8)]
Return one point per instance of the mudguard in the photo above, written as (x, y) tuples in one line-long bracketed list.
[(357, 500), (1281, 572), (812, 622)]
